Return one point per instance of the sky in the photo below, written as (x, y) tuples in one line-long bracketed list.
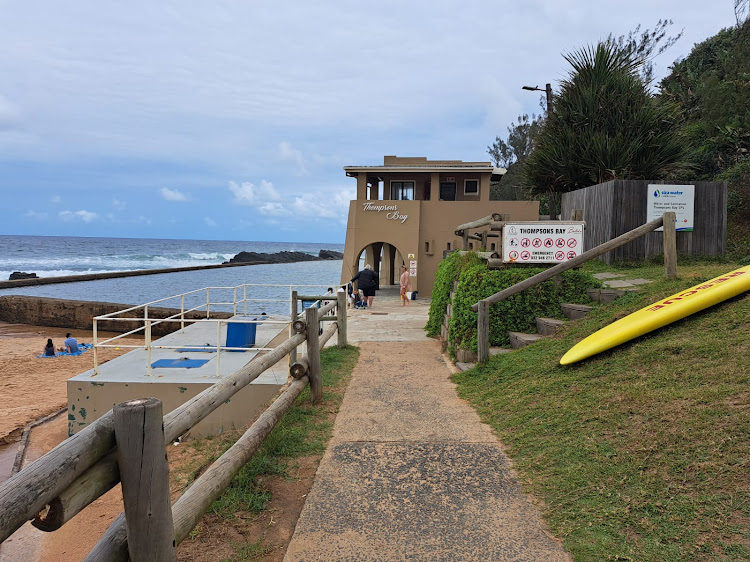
[(233, 120)]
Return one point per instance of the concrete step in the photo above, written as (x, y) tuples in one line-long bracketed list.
[(465, 366), (498, 350), (548, 326), (575, 311), (604, 295), (519, 339)]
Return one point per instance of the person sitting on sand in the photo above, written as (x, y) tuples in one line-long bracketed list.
[(71, 344), (49, 349)]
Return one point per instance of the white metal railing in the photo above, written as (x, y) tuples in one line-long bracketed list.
[(149, 322)]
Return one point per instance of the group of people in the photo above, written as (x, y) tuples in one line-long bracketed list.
[(70, 345), (368, 282)]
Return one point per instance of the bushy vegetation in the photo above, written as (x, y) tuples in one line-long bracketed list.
[(448, 271), (518, 313)]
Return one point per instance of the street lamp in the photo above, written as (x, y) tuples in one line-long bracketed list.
[(548, 90)]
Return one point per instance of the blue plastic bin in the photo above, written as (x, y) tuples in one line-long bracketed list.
[(241, 334), (414, 295)]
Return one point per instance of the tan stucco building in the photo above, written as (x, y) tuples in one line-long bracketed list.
[(407, 211)]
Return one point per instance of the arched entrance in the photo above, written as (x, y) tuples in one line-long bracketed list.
[(384, 258)]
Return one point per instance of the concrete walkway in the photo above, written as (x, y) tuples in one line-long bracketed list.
[(411, 473)]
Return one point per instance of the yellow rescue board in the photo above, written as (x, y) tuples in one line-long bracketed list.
[(661, 313)]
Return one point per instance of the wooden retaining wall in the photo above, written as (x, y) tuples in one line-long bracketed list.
[(615, 207)]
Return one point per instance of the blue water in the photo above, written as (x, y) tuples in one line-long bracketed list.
[(50, 256)]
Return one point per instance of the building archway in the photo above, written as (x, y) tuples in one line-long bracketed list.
[(385, 258)]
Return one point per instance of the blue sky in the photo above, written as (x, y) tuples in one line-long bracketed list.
[(232, 120)]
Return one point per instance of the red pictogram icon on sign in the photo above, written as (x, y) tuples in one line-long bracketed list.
[(572, 243), (571, 255), (525, 242), (560, 242), (525, 255), (513, 255), (559, 256), (548, 242), (537, 242)]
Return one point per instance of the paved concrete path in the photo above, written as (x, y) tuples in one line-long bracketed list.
[(411, 473)]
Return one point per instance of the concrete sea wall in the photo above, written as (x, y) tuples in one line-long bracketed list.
[(63, 313)]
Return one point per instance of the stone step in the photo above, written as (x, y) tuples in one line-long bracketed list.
[(498, 350), (604, 295), (519, 339), (465, 366), (548, 326), (575, 311)]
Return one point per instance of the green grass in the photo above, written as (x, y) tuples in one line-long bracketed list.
[(305, 429), (642, 452)]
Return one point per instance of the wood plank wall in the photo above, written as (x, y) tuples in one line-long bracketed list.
[(617, 206)]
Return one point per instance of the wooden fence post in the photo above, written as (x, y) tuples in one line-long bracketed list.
[(313, 354), (292, 332), (139, 432), (341, 318), (465, 237), (670, 245), (483, 332)]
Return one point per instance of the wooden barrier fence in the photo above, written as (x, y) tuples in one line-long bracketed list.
[(128, 445), (670, 265)]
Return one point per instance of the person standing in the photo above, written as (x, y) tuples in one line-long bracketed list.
[(367, 282), (405, 282)]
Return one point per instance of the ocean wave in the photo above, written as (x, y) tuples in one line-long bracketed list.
[(4, 275)]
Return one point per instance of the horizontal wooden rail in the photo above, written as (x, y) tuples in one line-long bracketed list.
[(575, 262), (104, 475), (477, 223)]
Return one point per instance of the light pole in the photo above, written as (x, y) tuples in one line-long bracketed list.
[(552, 194), (547, 90)]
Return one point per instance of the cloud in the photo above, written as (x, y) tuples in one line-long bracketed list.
[(289, 154), (35, 215), (208, 221), (84, 216), (55, 199), (118, 205), (173, 195), (247, 193), (10, 115)]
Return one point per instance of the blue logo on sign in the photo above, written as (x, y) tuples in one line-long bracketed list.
[(657, 193)]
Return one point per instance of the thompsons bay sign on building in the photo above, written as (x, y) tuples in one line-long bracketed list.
[(391, 211)]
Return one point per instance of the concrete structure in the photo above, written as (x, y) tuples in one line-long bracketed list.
[(92, 395), (407, 211)]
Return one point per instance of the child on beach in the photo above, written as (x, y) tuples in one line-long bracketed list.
[(49, 349)]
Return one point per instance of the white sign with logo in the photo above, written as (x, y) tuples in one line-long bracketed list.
[(542, 242), (671, 198)]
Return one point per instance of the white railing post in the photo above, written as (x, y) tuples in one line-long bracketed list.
[(148, 347), (234, 303), (208, 301), (244, 297), (182, 312), (218, 347), (96, 356)]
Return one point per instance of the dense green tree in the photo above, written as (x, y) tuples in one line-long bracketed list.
[(511, 154), (605, 125)]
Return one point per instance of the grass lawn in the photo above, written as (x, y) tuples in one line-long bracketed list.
[(642, 452)]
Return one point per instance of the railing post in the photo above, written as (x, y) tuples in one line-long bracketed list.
[(292, 317), (218, 347), (483, 332), (465, 237), (208, 302), (341, 318), (182, 312), (234, 302), (313, 353), (139, 433), (148, 347), (96, 353), (244, 297), (670, 245)]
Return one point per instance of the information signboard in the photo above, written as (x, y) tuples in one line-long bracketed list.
[(678, 199), (542, 242)]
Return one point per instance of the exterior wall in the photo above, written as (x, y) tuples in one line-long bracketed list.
[(426, 232), (615, 207)]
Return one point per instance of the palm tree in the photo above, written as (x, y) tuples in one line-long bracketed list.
[(605, 126)]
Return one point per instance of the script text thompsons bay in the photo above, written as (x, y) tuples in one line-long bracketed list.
[(390, 210)]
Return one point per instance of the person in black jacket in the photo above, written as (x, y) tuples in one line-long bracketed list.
[(367, 282)]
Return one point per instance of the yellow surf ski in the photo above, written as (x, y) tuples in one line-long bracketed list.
[(661, 313)]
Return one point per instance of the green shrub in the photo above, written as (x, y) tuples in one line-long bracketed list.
[(738, 209), (448, 271), (517, 313)]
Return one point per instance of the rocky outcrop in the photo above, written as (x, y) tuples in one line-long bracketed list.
[(22, 275), (284, 257), (330, 255)]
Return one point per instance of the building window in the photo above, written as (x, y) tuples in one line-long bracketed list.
[(449, 246), (492, 246), (447, 191), (471, 187), (402, 190)]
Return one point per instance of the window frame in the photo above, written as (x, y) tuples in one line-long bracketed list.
[(474, 193), (413, 189)]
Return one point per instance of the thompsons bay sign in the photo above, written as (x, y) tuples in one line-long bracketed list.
[(391, 211)]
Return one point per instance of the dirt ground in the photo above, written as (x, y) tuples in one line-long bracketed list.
[(31, 388)]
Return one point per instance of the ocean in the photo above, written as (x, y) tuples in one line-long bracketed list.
[(51, 256)]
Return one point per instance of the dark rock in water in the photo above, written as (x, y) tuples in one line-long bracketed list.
[(278, 257), (330, 255), (22, 275)]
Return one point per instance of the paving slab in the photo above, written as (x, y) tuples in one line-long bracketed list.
[(617, 284), (411, 473), (639, 281), (607, 275)]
